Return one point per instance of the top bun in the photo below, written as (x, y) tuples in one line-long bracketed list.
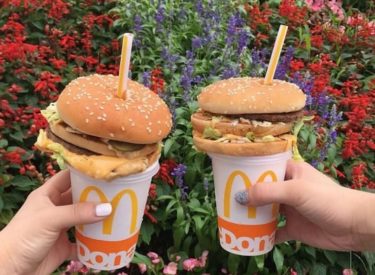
[(249, 95), (89, 104)]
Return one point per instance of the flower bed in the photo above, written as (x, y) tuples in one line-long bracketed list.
[(179, 48)]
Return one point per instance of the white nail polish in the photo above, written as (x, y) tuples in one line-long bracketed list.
[(103, 209)]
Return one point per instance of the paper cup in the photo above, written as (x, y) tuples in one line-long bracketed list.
[(110, 244), (247, 231)]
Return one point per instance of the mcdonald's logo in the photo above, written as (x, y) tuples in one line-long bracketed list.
[(251, 212), (108, 222)]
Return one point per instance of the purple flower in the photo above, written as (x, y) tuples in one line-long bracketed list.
[(334, 117), (187, 76), (322, 103), (283, 66), (206, 184), (146, 79), (196, 43), (199, 8), (243, 40), (331, 135), (137, 23), (305, 83), (159, 17), (179, 173), (235, 22), (137, 30), (258, 61), (169, 59), (230, 72)]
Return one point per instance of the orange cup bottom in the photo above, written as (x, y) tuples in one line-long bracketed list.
[(105, 255), (245, 239)]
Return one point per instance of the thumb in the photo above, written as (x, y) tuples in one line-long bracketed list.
[(269, 192), (79, 213)]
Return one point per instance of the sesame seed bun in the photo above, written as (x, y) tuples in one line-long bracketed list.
[(89, 105), (249, 95)]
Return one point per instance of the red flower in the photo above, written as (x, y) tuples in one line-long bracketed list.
[(259, 16), (58, 9), (150, 216), (47, 84), (152, 192), (39, 122), (164, 173), (358, 176), (295, 15), (317, 41), (57, 63), (67, 42), (14, 156), (296, 65), (14, 51), (354, 145), (157, 81)]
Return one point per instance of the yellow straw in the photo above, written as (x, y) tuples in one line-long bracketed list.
[(275, 54), (126, 49)]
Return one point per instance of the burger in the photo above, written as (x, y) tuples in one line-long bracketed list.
[(102, 135), (245, 117)]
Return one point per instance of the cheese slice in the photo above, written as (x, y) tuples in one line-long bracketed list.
[(97, 166)]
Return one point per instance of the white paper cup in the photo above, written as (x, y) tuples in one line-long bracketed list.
[(110, 244), (247, 231)]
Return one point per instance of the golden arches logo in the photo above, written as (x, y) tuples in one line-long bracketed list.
[(251, 211), (108, 222)]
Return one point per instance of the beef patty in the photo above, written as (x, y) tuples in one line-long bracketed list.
[(277, 117), (72, 148)]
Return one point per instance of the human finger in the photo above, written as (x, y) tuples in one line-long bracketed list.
[(58, 184), (270, 192), (67, 216)]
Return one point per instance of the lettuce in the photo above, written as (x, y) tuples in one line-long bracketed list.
[(296, 129), (211, 133), (50, 113)]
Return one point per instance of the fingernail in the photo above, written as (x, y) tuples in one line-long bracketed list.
[(242, 197), (103, 209)]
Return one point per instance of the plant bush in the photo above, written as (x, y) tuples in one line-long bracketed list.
[(180, 47)]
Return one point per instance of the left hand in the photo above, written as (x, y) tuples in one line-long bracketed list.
[(36, 241)]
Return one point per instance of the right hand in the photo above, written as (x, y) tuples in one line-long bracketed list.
[(318, 211)]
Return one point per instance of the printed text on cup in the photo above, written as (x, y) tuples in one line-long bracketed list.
[(104, 254), (246, 238)]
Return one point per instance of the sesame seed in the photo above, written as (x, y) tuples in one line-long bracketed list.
[(87, 120)]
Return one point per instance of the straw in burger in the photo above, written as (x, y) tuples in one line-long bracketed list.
[(245, 117), (101, 135)]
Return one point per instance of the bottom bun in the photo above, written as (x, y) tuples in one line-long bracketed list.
[(244, 149)]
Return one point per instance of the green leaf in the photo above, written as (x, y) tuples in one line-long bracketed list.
[(1, 204), (259, 260), (311, 251), (278, 259), (198, 223), (167, 146), (23, 183), (147, 229), (318, 269), (331, 256), (141, 259), (370, 258), (3, 143), (170, 205), (233, 263)]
